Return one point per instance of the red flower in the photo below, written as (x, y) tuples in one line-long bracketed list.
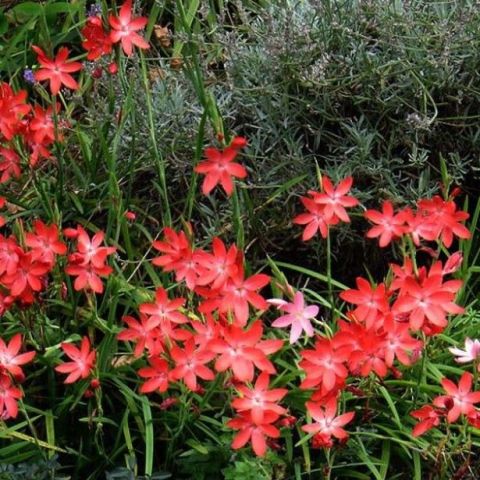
[(453, 263), (388, 225), (335, 199), (428, 300), (44, 243), (157, 375), (238, 293), (164, 309), (13, 107), (9, 396), (219, 168), (88, 262), (190, 364), (177, 256), (125, 28), (10, 360), (249, 431), (96, 41), (26, 276), (88, 276), (444, 215), (325, 208), (216, 268), (243, 350), (473, 418), (83, 361), (143, 332), (130, 216), (398, 342), (167, 403), (401, 273), (327, 424), (41, 125), (259, 400), (371, 301), (428, 417), (6, 302), (460, 400), (325, 365), (38, 151), (206, 332), (315, 220), (9, 164), (57, 71), (10, 253), (368, 353), (91, 251), (238, 142), (419, 226), (173, 247)]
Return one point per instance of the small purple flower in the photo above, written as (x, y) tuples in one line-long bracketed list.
[(94, 10), (29, 76)]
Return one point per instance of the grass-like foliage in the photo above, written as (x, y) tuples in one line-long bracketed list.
[(239, 240)]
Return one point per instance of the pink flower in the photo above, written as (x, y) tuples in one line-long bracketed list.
[(298, 317), (470, 354)]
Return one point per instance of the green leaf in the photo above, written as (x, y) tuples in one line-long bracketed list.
[(197, 446), (27, 10), (3, 23), (147, 416), (53, 9), (417, 466), (311, 273), (391, 404)]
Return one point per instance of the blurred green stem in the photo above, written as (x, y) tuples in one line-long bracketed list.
[(329, 274)]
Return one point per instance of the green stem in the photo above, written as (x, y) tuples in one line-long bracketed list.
[(159, 160), (475, 374), (421, 375), (329, 273), (59, 156), (237, 220), (198, 154)]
